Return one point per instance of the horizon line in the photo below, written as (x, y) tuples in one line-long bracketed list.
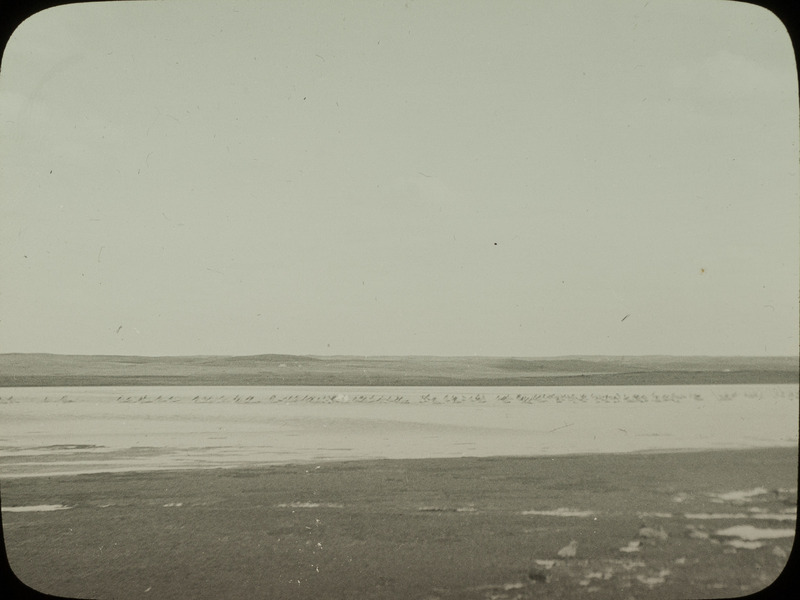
[(368, 356)]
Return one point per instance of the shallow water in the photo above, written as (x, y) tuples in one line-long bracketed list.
[(97, 429)]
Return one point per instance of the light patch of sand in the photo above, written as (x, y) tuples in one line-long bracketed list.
[(748, 532), (630, 565), (777, 516), (716, 516), (604, 575), (513, 586), (462, 509), (36, 508), (752, 515), (654, 580), (739, 495), (310, 505), (560, 512), (633, 546)]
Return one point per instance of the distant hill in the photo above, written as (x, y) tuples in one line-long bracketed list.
[(20, 370)]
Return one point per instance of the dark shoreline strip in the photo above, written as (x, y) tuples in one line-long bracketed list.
[(389, 380), (362, 463)]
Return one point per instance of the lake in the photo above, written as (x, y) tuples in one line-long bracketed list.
[(70, 430)]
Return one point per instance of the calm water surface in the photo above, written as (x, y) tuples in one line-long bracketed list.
[(76, 430)]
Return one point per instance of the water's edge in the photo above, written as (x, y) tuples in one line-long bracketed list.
[(49, 431)]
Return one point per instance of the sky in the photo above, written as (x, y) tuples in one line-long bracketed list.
[(391, 178)]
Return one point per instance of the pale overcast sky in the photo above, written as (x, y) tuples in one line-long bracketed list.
[(530, 178)]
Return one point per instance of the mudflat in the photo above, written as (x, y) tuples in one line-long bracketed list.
[(708, 524)]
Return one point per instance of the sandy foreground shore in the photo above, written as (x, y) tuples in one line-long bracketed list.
[(704, 524)]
